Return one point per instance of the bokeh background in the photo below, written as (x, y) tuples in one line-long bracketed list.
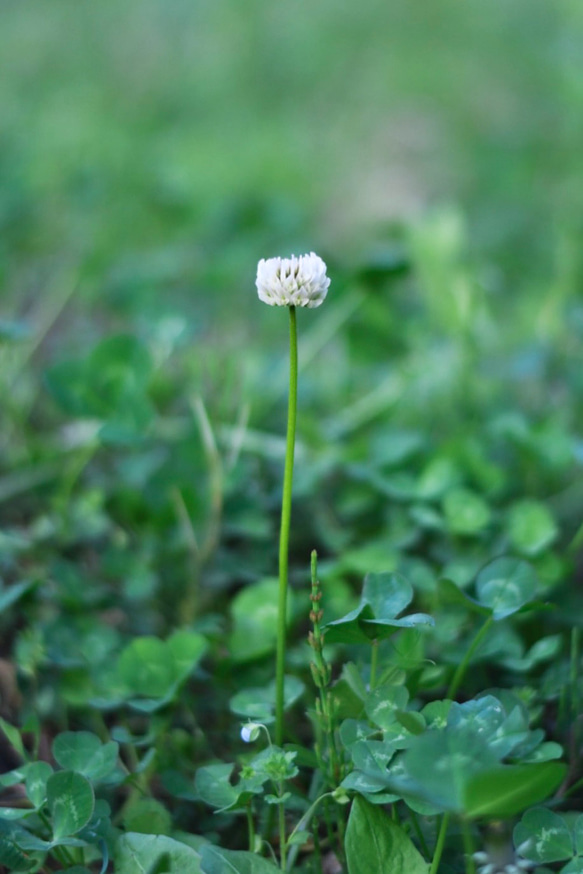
[(151, 152), (158, 149)]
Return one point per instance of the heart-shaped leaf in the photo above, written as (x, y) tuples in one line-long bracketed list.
[(70, 799), (384, 596), (505, 585), (543, 836), (83, 752)]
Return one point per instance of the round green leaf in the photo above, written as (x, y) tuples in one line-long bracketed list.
[(37, 775), (531, 527), (506, 585), (387, 594), (383, 703), (254, 611), (187, 648), (465, 512), (543, 836), (148, 816), (71, 802), (83, 752), (147, 667), (212, 784)]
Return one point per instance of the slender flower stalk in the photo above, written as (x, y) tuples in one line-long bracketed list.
[(292, 282), (285, 524)]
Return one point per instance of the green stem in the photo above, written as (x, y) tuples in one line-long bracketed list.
[(250, 828), (328, 821), (468, 848), (304, 822), (341, 832), (317, 859), (282, 837), (440, 844), (419, 833), (463, 665), (285, 524)]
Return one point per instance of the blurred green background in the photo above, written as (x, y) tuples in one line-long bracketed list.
[(151, 152), (156, 149)]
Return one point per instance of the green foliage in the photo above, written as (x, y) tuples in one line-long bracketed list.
[(372, 839), (383, 597), (110, 385), (154, 670), (136, 853), (254, 612), (504, 586), (449, 758), (465, 512), (439, 451), (217, 861), (531, 527), (84, 753), (259, 703), (70, 801), (545, 836)]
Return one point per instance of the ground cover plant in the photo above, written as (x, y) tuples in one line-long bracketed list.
[(404, 696)]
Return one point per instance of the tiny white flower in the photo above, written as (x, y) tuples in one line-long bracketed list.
[(250, 732), (295, 282)]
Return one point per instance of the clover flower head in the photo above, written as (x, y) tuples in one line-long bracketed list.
[(294, 282)]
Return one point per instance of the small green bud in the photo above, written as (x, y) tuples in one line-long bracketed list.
[(340, 795)]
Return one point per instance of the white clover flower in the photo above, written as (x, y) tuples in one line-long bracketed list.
[(293, 282)]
